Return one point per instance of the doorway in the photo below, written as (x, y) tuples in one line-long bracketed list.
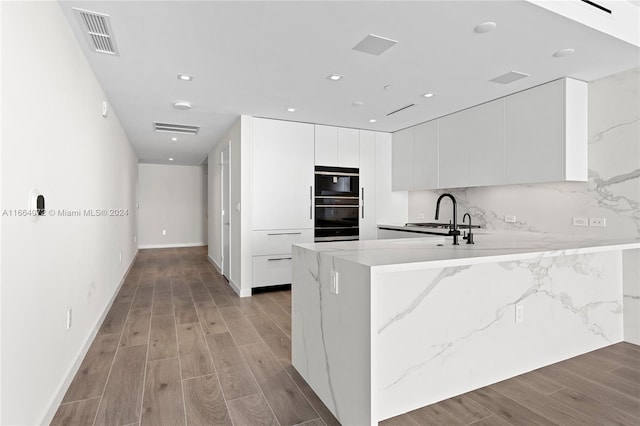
[(225, 213)]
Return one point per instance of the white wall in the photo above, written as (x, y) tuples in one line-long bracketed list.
[(612, 192), (174, 199), (55, 139)]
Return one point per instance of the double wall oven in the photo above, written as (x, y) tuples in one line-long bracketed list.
[(336, 203)]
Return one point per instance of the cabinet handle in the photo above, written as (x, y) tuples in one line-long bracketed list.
[(311, 202), (286, 233), (362, 189), (278, 258)]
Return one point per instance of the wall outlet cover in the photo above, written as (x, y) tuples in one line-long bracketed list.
[(519, 313), (580, 221), (599, 222), (510, 218)]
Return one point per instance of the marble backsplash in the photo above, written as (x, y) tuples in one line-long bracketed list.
[(612, 191)]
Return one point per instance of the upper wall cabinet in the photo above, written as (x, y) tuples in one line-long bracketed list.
[(537, 135), (336, 146), (546, 133)]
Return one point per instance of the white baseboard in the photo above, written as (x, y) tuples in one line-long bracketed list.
[(215, 264), (57, 399), (239, 291), (179, 245)]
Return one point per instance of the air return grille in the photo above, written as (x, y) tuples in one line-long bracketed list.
[(97, 30), (184, 129)]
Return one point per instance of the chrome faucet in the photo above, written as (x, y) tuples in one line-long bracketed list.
[(453, 229)]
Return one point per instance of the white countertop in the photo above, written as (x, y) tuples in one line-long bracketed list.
[(435, 251)]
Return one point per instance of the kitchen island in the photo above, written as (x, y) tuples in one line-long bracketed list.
[(383, 327)]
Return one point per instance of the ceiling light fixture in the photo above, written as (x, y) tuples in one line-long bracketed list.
[(485, 27), (357, 103), (185, 77), (182, 105), (388, 87), (170, 159), (564, 52), (174, 139), (334, 77), (373, 120), (291, 110), (429, 95)]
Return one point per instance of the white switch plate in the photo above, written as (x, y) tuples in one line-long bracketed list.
[(334, 282), (69, 312), (580, 221), (599, 222), (519, 313), (120, 257), (164, 232), (510, 218)]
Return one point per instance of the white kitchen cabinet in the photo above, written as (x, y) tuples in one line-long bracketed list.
[(453, 150), (487, 144), (282, 175), (337, 146), (425, 157), (402, 167), (279, 241), (367, 224), (546, 133)]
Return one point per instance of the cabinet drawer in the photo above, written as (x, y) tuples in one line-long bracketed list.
[(271, 270), (279, 241)]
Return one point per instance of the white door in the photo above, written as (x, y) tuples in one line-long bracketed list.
[(225, 213)]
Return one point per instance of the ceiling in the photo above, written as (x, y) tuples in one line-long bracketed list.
[(260, 58)]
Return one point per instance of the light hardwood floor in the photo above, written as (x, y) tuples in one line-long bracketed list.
[(179, 347)]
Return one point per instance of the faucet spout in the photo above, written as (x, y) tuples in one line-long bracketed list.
[(453, 230)]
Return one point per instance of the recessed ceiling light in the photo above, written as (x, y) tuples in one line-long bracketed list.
[(185, 77), (373, 120), (429, 95), (388, 87), (170, 159), (334, 77), (182, 105), (291, 110), (564, 52), (357, 103), (174, 139), (485, 27)]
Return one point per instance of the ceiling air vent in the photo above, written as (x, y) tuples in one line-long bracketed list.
[(97, 30), (374, 45), (509, 77), (400, 109), (184, 129)]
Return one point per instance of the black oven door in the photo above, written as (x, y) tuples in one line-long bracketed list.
[(336, 182), (336, 222)]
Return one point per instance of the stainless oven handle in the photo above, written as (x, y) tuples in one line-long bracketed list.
[(337, 174), (362, 202), (311, 202), (286, 233), (278, 258), (333, 206)]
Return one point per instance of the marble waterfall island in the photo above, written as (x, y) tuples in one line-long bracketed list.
[(383, 327)]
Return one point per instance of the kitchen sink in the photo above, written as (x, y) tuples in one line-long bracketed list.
[(440, 225)]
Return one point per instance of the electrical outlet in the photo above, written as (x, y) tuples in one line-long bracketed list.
[(420, 215), (519, 313), (120, 257), (580, 221), (599, 222), (164, 232), (135, 239), (69, 312), (334, 282), (510, 219)]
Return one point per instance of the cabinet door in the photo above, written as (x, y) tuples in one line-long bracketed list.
[(425, 159), (348, 147), (368, 230), (453, 150), (282, 175), (486, 144), (534, 134), (326, 145), (402, 160)]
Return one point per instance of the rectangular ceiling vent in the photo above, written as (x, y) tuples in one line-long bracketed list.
[(184, 129), (374, 45), (400, 109), (97, 30), (509, 77)]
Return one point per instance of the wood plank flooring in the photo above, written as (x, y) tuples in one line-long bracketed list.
[(178, 347)]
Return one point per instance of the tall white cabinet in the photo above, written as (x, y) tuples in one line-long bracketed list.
[(282, 196), (367, 222), (337, 146)]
